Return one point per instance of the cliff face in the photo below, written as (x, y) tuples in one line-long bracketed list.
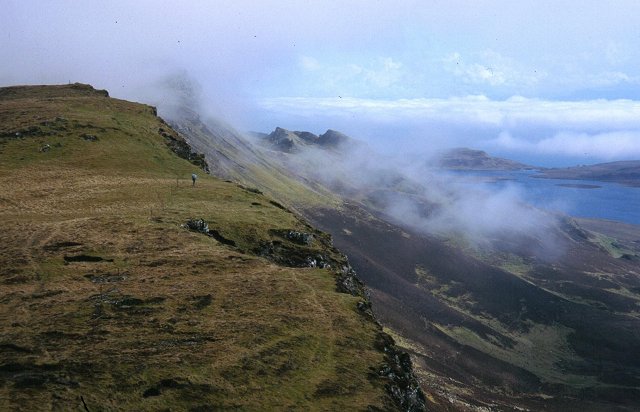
[(125, 286)]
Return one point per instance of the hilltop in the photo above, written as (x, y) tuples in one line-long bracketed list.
[(626, 172), (469, 159), (124, 287), (293, 141)]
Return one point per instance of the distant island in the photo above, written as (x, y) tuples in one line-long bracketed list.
[(463, 158), (578, 186), (625, 172), (287, 141)]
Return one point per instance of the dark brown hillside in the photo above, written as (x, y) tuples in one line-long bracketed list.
[(470, 324)]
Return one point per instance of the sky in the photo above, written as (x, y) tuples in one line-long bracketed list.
[(548, 82)]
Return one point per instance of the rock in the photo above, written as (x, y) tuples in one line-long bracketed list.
[(89, 137), (347, 282), (105, 278), (279, 206), (403, 385), (293, 141), (333, 138), (318, 262), (299, 237), (45, 148), (364, 306), (197, 225), (179, 146)]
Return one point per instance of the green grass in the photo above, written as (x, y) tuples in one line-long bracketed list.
[(542, 350), (609, 244)]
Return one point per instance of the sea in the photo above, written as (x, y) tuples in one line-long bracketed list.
[(579, 198)]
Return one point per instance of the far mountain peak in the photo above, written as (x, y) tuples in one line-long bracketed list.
[(463, 158), (292, 141)]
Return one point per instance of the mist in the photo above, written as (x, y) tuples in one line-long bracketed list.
[(413, 192)]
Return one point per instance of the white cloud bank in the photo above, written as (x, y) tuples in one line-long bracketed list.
[(598, 129), (492, 68), (611, 145), (502, 113)]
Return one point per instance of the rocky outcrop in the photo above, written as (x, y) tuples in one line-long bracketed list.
[(295, 249), (403, 385), (179, 146), (287, 141), (299, 237), (283, 140), (333, 138), (199, 225)]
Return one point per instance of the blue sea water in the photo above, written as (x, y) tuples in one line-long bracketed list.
[(608, 200)]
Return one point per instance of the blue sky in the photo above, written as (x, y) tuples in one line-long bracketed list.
[(550, 82)]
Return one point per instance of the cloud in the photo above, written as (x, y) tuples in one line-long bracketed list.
[(344, 76), (388, 73), (610, 78), (309, 63), (617, 114), (518, 126), (415, 195), (610, 145), (491, 68)]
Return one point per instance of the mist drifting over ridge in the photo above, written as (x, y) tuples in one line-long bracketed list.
[(410, 189), (416, 194)]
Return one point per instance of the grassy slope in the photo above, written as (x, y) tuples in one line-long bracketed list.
[(169, 318), (237, 159)]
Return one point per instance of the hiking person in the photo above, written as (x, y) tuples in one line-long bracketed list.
[(194, 177)]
